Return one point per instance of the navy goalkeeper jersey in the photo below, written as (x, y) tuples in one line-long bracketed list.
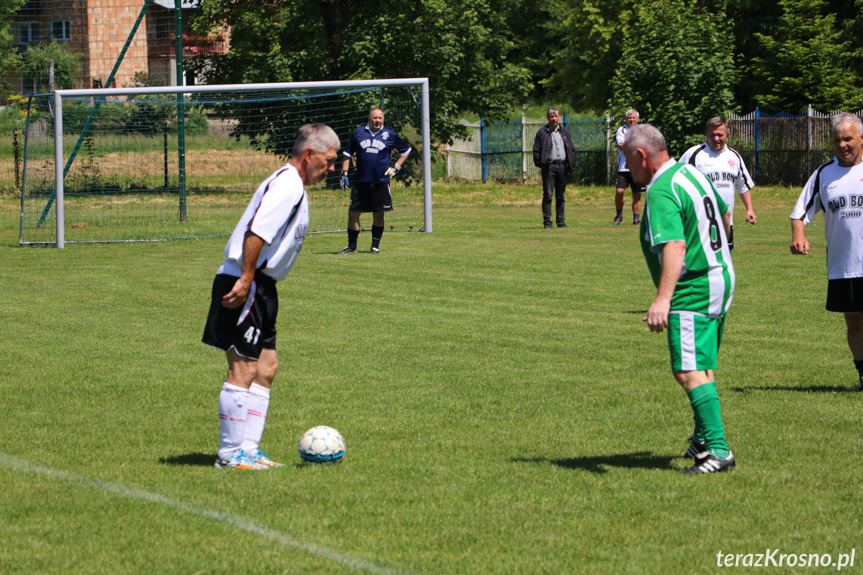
[(373, 152)]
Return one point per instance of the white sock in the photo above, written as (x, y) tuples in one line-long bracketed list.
[(233, 407), (259, 402)]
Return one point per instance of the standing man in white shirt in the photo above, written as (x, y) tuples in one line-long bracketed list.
[(624, 178), (724, 166), (836, 189), (244, 305)]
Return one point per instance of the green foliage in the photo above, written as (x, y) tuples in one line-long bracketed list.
[(462, 47), (676, 69), (591, 39), (806, 62), (67, 65), (9, 57)]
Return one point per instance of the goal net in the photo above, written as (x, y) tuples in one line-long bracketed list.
[(139, 164)]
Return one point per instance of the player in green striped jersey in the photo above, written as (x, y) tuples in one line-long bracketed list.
[(684, 236)]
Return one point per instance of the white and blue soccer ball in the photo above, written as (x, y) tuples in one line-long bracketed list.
[(322, 444)]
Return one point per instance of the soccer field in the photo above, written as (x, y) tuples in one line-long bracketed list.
[(504, 407)]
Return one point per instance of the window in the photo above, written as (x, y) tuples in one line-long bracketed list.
[(28, 32), (61, 31), (28, 86)]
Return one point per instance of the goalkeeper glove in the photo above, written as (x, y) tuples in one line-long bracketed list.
[(344, 182), (392, 171)]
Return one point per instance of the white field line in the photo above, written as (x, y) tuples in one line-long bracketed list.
[(221, 516)]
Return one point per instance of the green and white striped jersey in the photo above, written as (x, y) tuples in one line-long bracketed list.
[(682, 205)]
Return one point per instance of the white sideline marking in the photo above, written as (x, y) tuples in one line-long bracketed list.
[(232, 520)]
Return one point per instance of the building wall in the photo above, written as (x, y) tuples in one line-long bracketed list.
[(109, 23)]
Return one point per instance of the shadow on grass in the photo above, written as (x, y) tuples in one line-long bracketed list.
[(197, 459), (803, 388), (601, 463)]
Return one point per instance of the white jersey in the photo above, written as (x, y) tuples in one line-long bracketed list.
[(838, 192), (620, 137), (724, 169), (279, 215)]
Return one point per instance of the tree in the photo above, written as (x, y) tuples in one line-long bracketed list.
[(37, 64), (461, 47), (676, 69), (591, 35), (9, 58), (806, 62)]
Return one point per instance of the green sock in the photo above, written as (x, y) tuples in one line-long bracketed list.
[(705, 406)]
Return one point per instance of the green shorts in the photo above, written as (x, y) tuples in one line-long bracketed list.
[(694, 340)]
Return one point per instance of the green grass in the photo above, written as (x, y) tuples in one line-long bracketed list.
[(504, 407)]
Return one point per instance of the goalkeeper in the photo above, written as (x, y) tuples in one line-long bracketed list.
[(373, 145)]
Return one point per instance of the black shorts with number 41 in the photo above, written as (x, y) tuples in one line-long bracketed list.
[(249, 328)]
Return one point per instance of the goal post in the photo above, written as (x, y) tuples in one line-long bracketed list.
[(111, 165)]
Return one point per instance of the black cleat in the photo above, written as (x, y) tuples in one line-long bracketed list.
[(709, 463), (376, 251), (860, 386), (696, 448), (617, 219)]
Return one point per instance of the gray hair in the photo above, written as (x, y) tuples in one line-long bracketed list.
[(550, 110), (714, 123), (632, 111), (319, 137), (845, 118), (646, 137)]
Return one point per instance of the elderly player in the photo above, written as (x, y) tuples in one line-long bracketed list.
[(835, 188), (724, 167), (242, 318), (624, 178), (372, 144), (683, 237)]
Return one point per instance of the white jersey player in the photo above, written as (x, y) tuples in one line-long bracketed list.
[(724, 167), (836, 188), (244, 301)]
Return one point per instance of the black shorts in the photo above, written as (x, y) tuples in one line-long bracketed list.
[(845, 295), (249, 328), (624, 180), (371, 197)]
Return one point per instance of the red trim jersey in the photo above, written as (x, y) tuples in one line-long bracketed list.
[(724, 169), (279, 214), (838, 192)]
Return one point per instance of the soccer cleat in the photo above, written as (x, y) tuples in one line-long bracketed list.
[(562, 225), (617, 219), (239, 460), (635, 220), (860, 386), (376, 250), (261, 457), (548, 225), (346, 251), (696, 448), (709, 463)]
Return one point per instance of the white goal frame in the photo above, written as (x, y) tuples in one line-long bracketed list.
[(423, 83)]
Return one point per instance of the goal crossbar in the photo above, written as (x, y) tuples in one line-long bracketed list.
[(58, 96)]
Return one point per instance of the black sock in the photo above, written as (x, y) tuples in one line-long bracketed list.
[(377, 232), (352, 238)]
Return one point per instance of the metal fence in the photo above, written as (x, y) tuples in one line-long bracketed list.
[(781, 149), (504, 151)]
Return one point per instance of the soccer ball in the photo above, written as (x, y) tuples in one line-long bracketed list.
[(322, 444)]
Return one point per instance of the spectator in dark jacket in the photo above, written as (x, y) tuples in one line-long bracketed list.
[(554, 154)]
